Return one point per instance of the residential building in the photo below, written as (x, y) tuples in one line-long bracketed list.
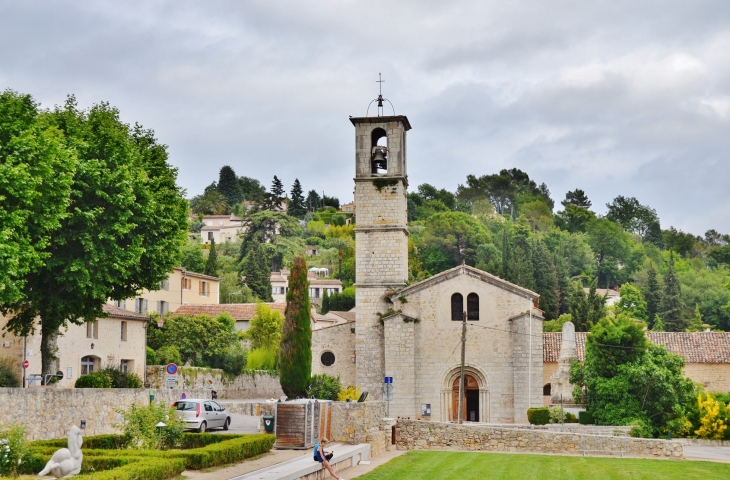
[(612, 296), (317, 286), (242, 313), (348, 207), (221, 228)]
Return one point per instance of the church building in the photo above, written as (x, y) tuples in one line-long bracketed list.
[(413, 333)]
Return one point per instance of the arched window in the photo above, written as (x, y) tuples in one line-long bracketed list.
[(472, 306), (328, 359), (379, 151), (457, 307), (546, 389)]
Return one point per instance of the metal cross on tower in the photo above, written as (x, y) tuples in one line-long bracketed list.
[(380, 98)]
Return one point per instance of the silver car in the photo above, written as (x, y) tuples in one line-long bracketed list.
[(201, 414)]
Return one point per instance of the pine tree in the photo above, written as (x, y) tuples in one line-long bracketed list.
[(229, 186), (696, 324), (672, 301), (325, 302), (546, 280), (506, 255), (652, 294), (522, 266), (276, 195), (255, 268), (586, 310), (211, 265), (295, 352), (297, 205), (658, 324)]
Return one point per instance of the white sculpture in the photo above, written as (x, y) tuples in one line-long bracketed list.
[(66, 462), (560, 386)]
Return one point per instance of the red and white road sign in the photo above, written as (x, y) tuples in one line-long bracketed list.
[(26, 363)]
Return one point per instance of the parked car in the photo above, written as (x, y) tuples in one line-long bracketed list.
[(202, 414)]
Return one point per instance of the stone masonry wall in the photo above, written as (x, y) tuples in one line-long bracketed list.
[(400, 363), (340, 340), (259, 385), (50, 412), (418, 435)]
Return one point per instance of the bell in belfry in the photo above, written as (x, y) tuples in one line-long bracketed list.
[(379, 159)]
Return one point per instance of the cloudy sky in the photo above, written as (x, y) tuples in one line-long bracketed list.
[(614, 97)]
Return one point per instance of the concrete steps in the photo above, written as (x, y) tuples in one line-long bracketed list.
[(305, 468)]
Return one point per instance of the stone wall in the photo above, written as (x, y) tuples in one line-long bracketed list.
[(260, 385), (418, 435), (50, 412), (355, 423), (340, 340), (715, 377)]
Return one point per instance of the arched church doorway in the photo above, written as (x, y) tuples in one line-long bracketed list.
[(470, 403)]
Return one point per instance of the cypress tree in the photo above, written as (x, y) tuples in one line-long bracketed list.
[(229, 186), (325, 302), (506, 255), (652, 294), (211, 265), (522, 265), (546, 280), (672, 301), (297, 205), (586, 310), (276, 195), (255, 268), (295, 351)]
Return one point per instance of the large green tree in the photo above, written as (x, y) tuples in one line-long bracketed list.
[(671, 307), (36, 172), (192, 257), (586, 309), (632, 215), (265, 328), (275, 197), (276, 233), (652, 294), (611, 246), (197, 337), (297, 206), (123, 227), (295, 353), (578, 198), (229, 186), (457, 234), (255, 269), (252, 189), (546, 280), (211, 265)]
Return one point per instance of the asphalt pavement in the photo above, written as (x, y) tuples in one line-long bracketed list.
[(240, 424), (715, 454)]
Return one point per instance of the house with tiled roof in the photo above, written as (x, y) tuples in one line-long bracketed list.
[(242, 313), (706, 356), (317, 286)]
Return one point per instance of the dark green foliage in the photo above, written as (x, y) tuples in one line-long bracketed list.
[(576, 197), (505, 190), (672, 301), (276, 233), (195, 338), (192, 257), (570, 418), (546, 280), (229, 186), (324, 387), (538, 416), (211, 265), (252, 189), (314, 201), (297, 205), (9, 369), (586, 309), (680, 242), (93, 380), (652, 294), (333, 202), (612, 343), (168, 354), (585, 418), (325, 302), (634, 217), (338, 220), (257, 273), (151, 356), (457, 234), (232, 361), (295, 352), (275, 197), (343, 301)]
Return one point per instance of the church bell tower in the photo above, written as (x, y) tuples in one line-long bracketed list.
[(381, 233)]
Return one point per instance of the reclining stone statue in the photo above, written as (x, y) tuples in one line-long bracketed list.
[(66, 462)]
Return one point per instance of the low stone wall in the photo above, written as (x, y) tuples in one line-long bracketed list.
[(701, 442), (249, 385), (355, 423), (418, 435), (50, 412), (570, 428)]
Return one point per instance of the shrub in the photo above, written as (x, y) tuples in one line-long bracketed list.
[(168, 354), (222, 453), (9, 373), (712, 425), (148, 468), (570, 418), (140, 431), (344, 301), (151, 357), (557, 414), (349, 393), (13, 449), (93, 380), (585, 418), (261, 359), (233, 361), (120, 379), (538, 416), (641, 429), (324, 387)]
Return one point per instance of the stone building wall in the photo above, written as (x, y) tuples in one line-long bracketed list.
[(340, 340), (418, 435), (527, 364), (259, 385), (400, 363), (352, 422)]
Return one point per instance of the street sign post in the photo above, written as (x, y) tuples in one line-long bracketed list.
[(171, 375), (26, 363), (388, 391)]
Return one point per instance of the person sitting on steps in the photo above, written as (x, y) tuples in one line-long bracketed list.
[(323, 457)]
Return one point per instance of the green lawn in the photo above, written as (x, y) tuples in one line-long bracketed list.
[(494, 466)]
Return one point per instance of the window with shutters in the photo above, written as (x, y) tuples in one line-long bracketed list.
[(92, 329), (124, 331), (457, 307), (203, 288), (472, 306), (187, 283)]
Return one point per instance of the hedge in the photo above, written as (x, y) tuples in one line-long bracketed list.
[(538, 416), (150, 468), (585, 418)]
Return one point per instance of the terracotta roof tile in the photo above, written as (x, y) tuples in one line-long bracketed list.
[(349, 316), (113, 311), (695, 347), (239, 311)]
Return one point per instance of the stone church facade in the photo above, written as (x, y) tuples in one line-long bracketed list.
[(413, 332)]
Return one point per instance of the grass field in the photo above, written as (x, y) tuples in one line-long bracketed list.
[(495, 466)]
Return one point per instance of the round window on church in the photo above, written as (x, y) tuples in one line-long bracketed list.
[(328, 359)]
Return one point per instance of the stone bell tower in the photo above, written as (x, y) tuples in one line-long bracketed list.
[(381, 233)]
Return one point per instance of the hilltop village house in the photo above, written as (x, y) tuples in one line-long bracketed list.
[(317, 286)]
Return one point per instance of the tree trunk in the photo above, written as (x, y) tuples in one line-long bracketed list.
[(49, 351), (340, 258)]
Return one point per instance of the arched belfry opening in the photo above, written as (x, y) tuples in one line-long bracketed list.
[(379, 151)]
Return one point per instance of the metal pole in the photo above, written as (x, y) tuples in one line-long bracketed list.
[(529, 365), (25, 351), (463, 360)]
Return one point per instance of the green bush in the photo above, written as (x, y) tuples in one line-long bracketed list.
[(344, 301), (233, 361), (140, 431), (538, 416), (313, 241), (222, 453), (148, 468), (9, 373), (93, 380), (151, 357), (168, 354), (13, 449), (120, 379), (585, 418), (570, 418), (261, 359), (324, 387), (641, 429)]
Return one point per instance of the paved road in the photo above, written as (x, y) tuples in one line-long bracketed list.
[(715, 454), (241, 424)]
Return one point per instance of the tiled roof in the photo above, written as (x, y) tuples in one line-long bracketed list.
[(695, 347), (190, 273), (115, 312), (602, 291), (239, 311), (325, 282), (349, 316)]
